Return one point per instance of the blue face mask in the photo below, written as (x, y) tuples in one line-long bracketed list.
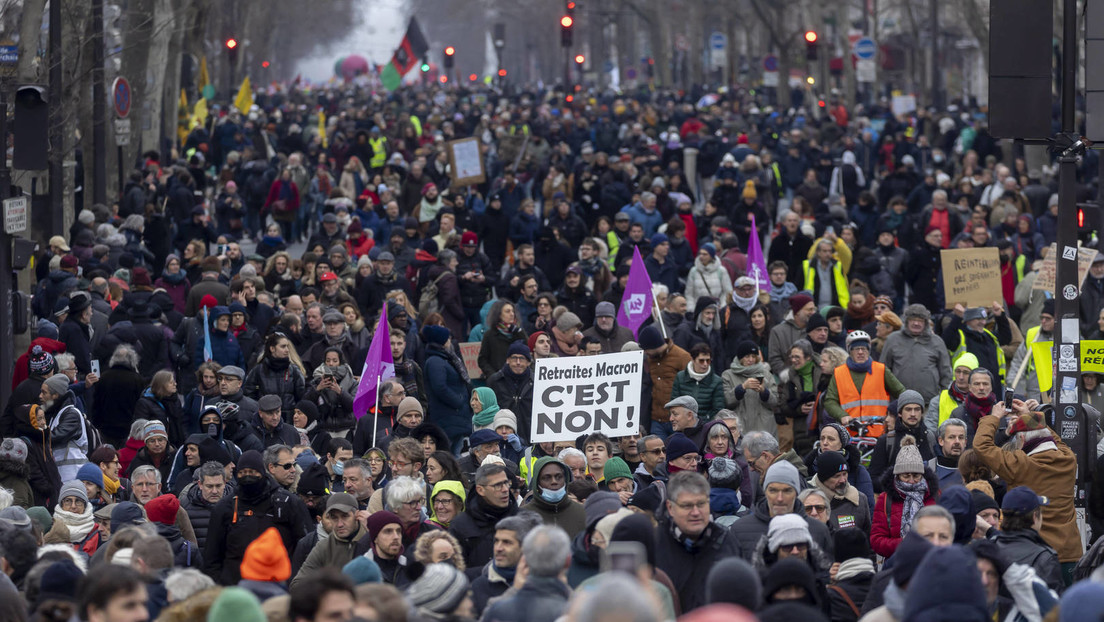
[(553, 496), (339, 468)]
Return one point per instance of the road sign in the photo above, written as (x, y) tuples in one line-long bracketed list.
[(122, 132), (718, 41), (770, 62), (9, 58), (120, 97), (15, 215), (864, 48), (866, 70)]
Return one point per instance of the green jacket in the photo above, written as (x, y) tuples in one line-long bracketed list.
[(831, 394), (332, 551), (565, 514), (708, 392)]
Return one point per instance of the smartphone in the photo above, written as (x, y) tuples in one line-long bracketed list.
[(624, 556), (95, 367), (221, 249), (1008, 395), (760, 379)]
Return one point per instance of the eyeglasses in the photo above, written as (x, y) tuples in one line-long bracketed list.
[(815, 509), (413, 503), (499, 485), (375, 460), (657, 452), (395, 464), (442, 501), (797, 546), (287, 466), (690, 507)]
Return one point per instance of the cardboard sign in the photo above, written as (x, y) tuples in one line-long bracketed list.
[(971, 277), (578, 395), (469, 351), (1044, 280), (466, 162)]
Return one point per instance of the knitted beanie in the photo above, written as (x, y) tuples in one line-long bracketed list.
[(908, 457), (616, 468), (266, 559), (439, 590), (787, 530)]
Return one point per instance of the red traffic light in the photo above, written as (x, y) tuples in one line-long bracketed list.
[(810, 36), (502, 73), (231, 43), (473, 77), (570, 6), (1080, 218), (566, 21), (570, 98), (449, 51), (580, 59), (264, 64), (821, 103)]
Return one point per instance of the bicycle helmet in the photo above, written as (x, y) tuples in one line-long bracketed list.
[(858, 338)]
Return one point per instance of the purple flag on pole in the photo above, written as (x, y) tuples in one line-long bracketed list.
[(756, 265), (636, 302), (378, 366)]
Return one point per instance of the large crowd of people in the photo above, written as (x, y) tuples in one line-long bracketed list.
[(182, 442)]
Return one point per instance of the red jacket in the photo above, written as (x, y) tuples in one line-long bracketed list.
[(127, 453), (885, 533)]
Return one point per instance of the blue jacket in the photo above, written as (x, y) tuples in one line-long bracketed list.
[(448, 401), (665, 273), (649, 220), (523, 228), (224, 349)]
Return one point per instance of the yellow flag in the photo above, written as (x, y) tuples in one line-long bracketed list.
[(244, 100), (322, 128), (183, 100), (204, 78), (199, 113)]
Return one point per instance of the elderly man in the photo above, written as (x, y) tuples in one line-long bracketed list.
[(688, 543), (68, 433), (1043, 463), (761, 450), (335, 335), (780, 487), (849, 507), (483, 443), (271, 428), (491, 502), (861, 387), (605, 329), (684, 418), (405, 497), (145, 485), (280, 464), (916, 356)]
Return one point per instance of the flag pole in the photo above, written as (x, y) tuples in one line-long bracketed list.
[(659, 318), (375, 416)]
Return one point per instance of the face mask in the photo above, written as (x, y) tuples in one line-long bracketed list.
[(251, 485), (339, 468), (212, 430), (553, 496)]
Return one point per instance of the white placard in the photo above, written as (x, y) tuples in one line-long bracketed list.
[(15, 215), (866, 70), (577, 395)]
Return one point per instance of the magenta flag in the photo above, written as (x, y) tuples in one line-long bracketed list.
[(378, 366), (756, 264), (636, 302)]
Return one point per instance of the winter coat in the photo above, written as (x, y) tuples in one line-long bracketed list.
[(14, 477), (515, 393), (475, 529), (492, 351), (1049, 470), (663, 373), (224, 349), (167, 410), (859, 477), (449, 400), (77, 338), (541, 599), (852, 509), (688, 566), (199, 511), (1026, 546), (692, 332), (753, 526), (885, 525), (185, 554), (707, 280), (782, 338), (143, 458), (921, 362), (756, 412), (708, 392), (332, 552), (565, 514), (276, 377), (614, 340), (114, 401)]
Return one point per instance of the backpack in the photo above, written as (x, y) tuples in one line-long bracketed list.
[(427, 301)]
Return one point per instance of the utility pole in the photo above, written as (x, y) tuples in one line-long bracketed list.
[(7, 277), (99, 132), (57, 124), (936, 75)]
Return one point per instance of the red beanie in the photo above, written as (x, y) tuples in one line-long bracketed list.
[(208, 301), (533, 339), (163, 509), (798, 302)]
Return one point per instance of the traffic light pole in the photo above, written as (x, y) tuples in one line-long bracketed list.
[(7, 277), (1070, 422)]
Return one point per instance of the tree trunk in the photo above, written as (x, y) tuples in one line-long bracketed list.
[(30, 29)]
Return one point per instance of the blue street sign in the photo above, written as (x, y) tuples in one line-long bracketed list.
[(718, 41), (770, 62), (864, 48), (9, 54)]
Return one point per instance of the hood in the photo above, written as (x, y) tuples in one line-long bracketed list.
[(709, 427), (485, 309), (533, 484), (450, 485), (703, 303)]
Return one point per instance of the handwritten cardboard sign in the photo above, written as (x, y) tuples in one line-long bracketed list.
[(469, 351), (971, 277), (1044, 280)]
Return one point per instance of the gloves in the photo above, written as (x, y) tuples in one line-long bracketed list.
[(514, 442)]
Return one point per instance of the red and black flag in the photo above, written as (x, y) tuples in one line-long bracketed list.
[(409, 54)]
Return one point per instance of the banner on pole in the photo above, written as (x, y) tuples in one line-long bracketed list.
[(578, 395)]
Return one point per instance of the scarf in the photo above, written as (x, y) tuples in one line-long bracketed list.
[(862, 313), (914, 494), (854, 567), (805, 374), (453, 360), (591, 266), (781, 294), (695, 375), (864, 368), (79, 524), (506, 329), (958, 396), (977, 408), (485, 417), (505, 573), (744, 303), (173, 278), (272, 240), (111, 486)]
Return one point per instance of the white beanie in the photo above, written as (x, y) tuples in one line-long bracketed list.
[(787, 530), (505, 417)]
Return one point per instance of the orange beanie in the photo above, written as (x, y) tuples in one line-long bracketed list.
[(266, 559)]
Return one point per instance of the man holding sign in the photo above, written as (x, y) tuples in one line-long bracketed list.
[(967, 333)]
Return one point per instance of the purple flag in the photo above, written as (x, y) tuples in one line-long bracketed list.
[(636, 302), (378, 366), (756, 265)]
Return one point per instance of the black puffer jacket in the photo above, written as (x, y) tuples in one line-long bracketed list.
[(199, 511), (276, 377)]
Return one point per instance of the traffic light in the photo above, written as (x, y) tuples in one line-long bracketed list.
[(810, 45), (265, 64), (580, 59), (425, 66), (232, 51), (450, 53), (1088, 220), (473, 77), (566, 22), (502, 73)]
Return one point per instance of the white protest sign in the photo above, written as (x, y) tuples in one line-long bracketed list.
[(577, 395)]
